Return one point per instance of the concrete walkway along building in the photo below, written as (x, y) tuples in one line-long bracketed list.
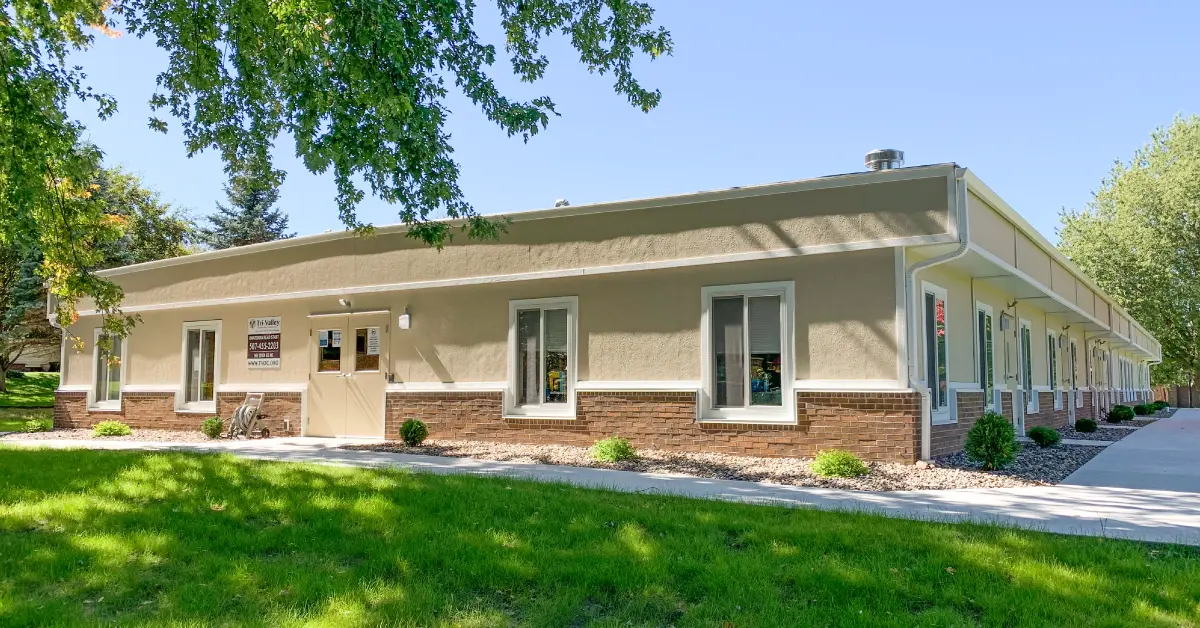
[(880, 312)]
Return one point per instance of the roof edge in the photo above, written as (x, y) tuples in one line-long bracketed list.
[(706, 196)]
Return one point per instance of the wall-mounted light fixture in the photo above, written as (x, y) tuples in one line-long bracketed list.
[(405, 321), (1005, 321), (344, 302)]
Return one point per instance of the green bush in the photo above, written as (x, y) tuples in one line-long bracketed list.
[(1087, 426), (1141, 409), (413, 432), (212, 427), (838, 463), (1120, 413), (38, 425), (111, 428), (613, 449), (1044, 436), (991, 441), (1160, 405), (16, 375)]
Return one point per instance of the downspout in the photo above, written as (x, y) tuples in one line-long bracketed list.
[(910, 290), (51, 316)]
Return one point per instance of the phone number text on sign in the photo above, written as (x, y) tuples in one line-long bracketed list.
[(263, 351)]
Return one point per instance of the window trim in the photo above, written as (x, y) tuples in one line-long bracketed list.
[(942, 414), (92, 402), (1032, 404), (542, 410), (989, 402), (785, 413), (198, 406), (1073, 359)]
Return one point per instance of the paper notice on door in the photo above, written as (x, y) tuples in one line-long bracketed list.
[(335, 337), (372, 341), (322, 339)]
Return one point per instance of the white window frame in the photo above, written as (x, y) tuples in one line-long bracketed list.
[(782, 414), (941, 415), (199, 406), (1054, 367), (543, 410), (1032, 403), (1073, 359), (93, 403), (989, 402)]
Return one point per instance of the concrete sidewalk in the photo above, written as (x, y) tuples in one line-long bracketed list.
[(1146, 515), (1164, 455)]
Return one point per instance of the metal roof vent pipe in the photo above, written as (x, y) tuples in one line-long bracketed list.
[(884, 159)]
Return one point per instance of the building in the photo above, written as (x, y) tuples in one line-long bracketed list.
[(879, 312)]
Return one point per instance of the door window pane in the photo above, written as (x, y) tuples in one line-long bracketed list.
[(1052, 371), (114, 371), (366, 349), (935, 350), (1026, 360), (556, 356), (529, 337), (201, 365), (729, 374), (766, 358), (986, 355), (329, 351)]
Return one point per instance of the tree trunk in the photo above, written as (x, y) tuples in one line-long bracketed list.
[(3, 380)]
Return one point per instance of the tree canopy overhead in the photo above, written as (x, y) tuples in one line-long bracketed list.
[(360, 85), (1139, 239)]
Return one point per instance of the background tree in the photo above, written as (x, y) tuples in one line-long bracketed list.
[(1139, 239), (250, 217), (24, 327), (359, 84), (150, 229)]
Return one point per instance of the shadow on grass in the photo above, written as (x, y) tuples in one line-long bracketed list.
[(137, 538)]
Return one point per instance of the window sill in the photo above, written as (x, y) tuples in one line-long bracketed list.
[(539, 416), (207, 409), (777, 416), (116, 408), (943, 419)]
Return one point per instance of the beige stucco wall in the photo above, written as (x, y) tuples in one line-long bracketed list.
[(632, 326), (777, 221)]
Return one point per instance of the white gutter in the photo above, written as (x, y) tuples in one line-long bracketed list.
[(51, 315), (910, 290)]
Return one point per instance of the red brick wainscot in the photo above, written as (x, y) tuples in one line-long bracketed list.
[(1046, 414), (874, 425), (950, 437), (156, 410)]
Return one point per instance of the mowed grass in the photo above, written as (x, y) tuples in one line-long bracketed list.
[(34, 390), (14, 419), (129, 538)]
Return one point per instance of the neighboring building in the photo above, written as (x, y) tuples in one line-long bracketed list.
[(769, 320), (38, 358)]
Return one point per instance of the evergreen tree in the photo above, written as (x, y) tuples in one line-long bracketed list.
[(249, 218)]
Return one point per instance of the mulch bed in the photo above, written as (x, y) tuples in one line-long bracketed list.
[(145, 436)]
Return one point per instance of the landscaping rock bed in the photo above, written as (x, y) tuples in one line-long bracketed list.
[(1034, 466), (145, 436), (1101, 433), (1140, 422)]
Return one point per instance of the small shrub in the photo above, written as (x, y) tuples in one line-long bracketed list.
[(38, 425), (992, 441), (613, 449), (212, 427), (16, 375), (838, 463), (1087, 426), (413, 432), (1159, 406), (111, 428), (1120, 413), (1141, 409), (1044, 436)]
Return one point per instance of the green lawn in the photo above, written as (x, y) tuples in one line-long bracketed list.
[(14, 419), (34, 390), (127, 538)]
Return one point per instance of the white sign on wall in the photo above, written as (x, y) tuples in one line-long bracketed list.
[(263, 325), (335, 337), (372, 341)]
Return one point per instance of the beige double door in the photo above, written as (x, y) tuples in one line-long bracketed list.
[(348, 375)]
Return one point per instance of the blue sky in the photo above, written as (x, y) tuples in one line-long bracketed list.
[(1038, 99)]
